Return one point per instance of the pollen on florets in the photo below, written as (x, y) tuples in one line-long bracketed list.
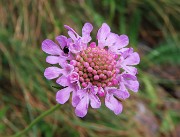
[(95, 65)]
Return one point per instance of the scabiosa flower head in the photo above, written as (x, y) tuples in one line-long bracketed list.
[(92, 71)]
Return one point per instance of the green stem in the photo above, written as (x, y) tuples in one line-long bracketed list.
[(35, 121)]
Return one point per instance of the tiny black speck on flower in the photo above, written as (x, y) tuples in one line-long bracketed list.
[(66, 50)]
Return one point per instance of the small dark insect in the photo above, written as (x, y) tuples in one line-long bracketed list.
[(66, 50)]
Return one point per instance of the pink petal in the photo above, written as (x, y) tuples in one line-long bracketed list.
[(73, 77), (86, 39), (130, 69), (103, 33), (131, 82), (52, 59), (108, 101), (75, 48), (122, 41), (50, 47), (75, 99), (133, 59), (52, 72), (82, 107), (126, 53), (72, 35), (62, 62), (111, 39), (62, 40), (94, 100), (113, 104), (129, 77), (121, 51), (63, 95), (67, 69), (123, 93), (87, 28), (63, 81), (70, 29), (133, 85), (82, 92), (118, 107), (94, 89)]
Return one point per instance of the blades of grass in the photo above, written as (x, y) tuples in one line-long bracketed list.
[(150, 90), (122, 18), (167, 123), (166, 52), (134, 28)]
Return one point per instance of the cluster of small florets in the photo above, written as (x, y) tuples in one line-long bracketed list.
[(91, 71), (96, 66)]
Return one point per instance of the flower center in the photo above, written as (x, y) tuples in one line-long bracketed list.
[(95, 65)]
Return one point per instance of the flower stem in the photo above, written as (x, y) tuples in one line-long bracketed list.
[(35, 121)]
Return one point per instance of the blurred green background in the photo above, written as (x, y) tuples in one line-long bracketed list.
[(153, 27)]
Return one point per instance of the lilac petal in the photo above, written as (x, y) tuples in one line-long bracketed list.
[(130, 69), (121, 51), (130, 82), (108, 101), (52, 72), (63, 95), (52, 59), (129, 77), (133, 59), (50, 47), (62, 40), (103, 33), (133, 85), (67, 69), (73, 77), (86, 39), (122, 41), (63, 62), (111, 39), (94, 89), (123, 93), (94, 100), (75, 99), (63, 81), (72, 35), (70, 29), (86, 30), (75, 86), (82, 107), (113, 104), (75, 48), (127, 52), (81, 93)]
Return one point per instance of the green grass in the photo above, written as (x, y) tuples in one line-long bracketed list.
[(25, 93)]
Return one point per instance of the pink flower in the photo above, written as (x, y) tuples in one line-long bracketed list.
[(91, 71), (88, 94)]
